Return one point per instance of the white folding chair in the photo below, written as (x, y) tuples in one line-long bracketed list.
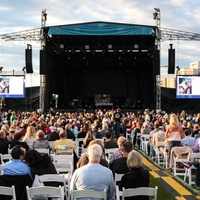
[(128, 134), (1, 169), (188, 172), (53, 178), (109, 152), (118, 177), (8, 191), (45, 191), (67, 170), (140, 191), (43, 151), (5, 158), (75, 194), (78, 146), (144, 142), (64, 151)]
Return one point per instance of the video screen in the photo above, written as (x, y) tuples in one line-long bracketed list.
[(12, 86), (187, 87)]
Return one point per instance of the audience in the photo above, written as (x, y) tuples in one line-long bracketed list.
[(18, 141), (109, 143), (63, 142), (188, 140), (39, 164), (119, 165), (137, 177), (93, 175), (3, 143), (83, 160), (41, 142), (30, 136), (17, 166), (118, 154)]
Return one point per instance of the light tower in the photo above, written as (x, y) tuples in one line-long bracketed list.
[(156, 17)]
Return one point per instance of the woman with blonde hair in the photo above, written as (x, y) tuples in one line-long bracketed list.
[(30, 136), (90, 135), (137, 176), (174, 132)]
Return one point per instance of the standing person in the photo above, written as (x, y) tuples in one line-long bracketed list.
[(137, 177), (93, 175), (174, 133), (117, 117)]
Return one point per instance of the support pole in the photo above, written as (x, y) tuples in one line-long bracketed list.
[(42, 76), (156, 17)]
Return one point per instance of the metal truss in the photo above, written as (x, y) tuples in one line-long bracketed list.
[(165, 35), (27, 35), (172, 34)]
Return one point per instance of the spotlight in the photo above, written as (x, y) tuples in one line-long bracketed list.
[(24, 69)]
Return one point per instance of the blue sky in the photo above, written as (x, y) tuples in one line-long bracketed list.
[(23, 15)]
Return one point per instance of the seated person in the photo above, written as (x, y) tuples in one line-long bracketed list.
[(3, 143), (84, 158), (41, 142), (118, 153), (109, 143), (18, 138), (137, 177), (119, 165), (17, 166), (63, 142), (188, 140), (39, 164)]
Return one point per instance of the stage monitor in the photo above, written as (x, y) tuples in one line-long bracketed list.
[(12, 86), (187, 87)]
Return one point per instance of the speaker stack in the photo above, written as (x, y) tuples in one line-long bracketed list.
[(28, 59), (171, 60)]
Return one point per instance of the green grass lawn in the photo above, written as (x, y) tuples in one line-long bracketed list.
[(163, 193)]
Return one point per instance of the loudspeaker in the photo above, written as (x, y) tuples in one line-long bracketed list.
[(43, 63), (28, 61), (171, 61), (156, 62)]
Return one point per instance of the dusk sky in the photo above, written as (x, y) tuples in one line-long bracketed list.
[(24, 15)]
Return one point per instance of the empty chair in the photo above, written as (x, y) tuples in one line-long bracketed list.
[(188, 172), (5, 158), (118, 178), (8, 191), (75, 194), (45, 191), (140, 191), (53, 180)]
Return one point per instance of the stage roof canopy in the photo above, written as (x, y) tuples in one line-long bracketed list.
[(101, 28)]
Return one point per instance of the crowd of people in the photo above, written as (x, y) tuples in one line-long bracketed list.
[(25, 132)]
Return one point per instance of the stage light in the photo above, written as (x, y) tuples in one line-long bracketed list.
[(87, 47), (62, 46), (24, 69), (109, 46)]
